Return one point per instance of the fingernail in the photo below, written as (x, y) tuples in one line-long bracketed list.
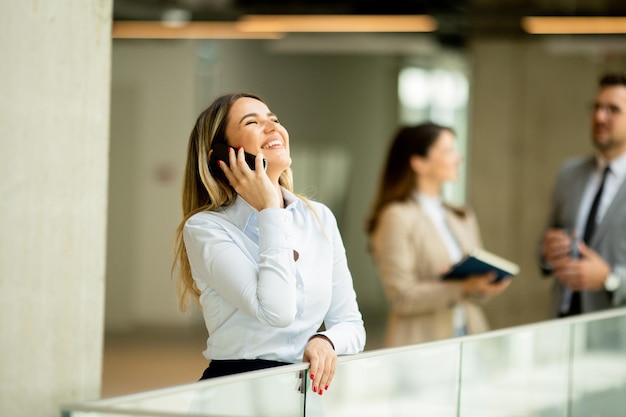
[(312, 376), (314, 389), (326, 388), (321, 391), (219, 163), (239, 148)]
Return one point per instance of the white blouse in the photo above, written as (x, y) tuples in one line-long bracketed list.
[(433, 207), (270, 279)]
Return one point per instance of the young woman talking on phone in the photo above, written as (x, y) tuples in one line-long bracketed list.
[(267, 267)]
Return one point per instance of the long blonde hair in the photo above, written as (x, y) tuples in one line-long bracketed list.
[(201, 190)]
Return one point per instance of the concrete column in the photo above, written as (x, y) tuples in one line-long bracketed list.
[(54, 128)]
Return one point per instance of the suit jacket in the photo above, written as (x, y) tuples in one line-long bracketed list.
[(608, 240), (410, 256)]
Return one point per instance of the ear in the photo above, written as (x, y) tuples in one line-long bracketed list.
[(418, 164)]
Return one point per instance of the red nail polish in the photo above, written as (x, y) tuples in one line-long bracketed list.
[(326, 388), (321, 391), (314, 389), (239, 148), (219, 163), (312, 376)]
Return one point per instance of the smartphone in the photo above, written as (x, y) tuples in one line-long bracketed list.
[(220, 153)]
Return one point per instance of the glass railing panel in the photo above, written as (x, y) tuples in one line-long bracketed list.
[(418, 380), (598, 383), (276, 392), (519, 373), (573, 367)]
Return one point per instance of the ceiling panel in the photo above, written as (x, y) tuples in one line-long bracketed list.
[(457, 19)]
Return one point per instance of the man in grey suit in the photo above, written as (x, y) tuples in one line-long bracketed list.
[(584, 247)]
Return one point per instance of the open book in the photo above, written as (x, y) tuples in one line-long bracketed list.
[(481, 261)]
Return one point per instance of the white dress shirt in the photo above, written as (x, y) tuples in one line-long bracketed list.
[(269, 279), (612, 183), (433, 207)]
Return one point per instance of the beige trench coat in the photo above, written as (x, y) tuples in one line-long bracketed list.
[(410, 256)]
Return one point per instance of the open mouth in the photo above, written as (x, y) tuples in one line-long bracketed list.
[(271, 144)]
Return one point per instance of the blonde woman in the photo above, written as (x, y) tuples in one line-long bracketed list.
[(267, 267)]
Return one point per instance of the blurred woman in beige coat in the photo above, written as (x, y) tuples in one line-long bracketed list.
[(415, 237)]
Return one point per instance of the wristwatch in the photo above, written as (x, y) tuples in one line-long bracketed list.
[(612, 282)]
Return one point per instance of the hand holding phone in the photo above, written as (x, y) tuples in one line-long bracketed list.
[(220, 153)]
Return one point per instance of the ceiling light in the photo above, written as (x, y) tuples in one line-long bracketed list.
[(190, 30), (337, 23), (574, 25)]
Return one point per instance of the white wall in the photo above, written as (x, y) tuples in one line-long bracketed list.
[(527, 114), (152, 112), (54, 117), (159, 88)]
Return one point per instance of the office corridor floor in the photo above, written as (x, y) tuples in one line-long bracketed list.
[(148, 359), (151, 358)]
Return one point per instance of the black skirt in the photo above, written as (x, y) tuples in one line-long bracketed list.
[(236, 366)]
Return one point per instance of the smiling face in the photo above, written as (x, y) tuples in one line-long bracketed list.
[(254, 127), (443, 159)]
